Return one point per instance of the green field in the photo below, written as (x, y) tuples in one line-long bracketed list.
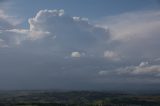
[(76, 98)]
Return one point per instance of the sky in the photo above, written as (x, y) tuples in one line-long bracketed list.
[(80, 44)]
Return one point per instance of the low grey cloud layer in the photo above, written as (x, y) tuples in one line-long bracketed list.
[(58, 50), (141, 70)]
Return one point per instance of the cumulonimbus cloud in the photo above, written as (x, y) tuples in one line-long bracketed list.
[(67, 32), (60, 31), (128, 38)]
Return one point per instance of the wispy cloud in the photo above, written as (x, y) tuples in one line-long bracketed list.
[(136, 33)]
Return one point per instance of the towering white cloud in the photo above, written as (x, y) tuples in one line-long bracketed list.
[(65, 33), (60, 31)]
